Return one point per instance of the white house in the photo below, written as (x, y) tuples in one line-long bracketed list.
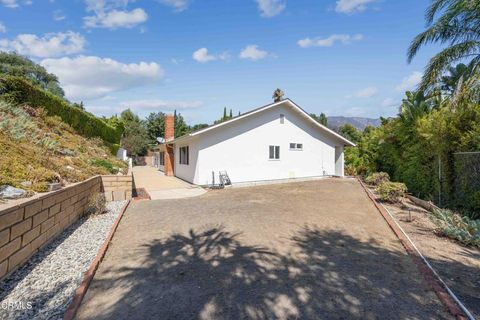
[(276, 141)]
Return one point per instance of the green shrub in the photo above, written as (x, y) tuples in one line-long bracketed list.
[(454, 226), (113, 147), (377, 178), (106, 165), (391, 191), (19, 91)]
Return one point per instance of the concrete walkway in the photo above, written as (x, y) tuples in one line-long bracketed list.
[(161, 187), (309, 250)]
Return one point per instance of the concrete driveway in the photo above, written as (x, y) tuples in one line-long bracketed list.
[(161, 187), (307, 250)]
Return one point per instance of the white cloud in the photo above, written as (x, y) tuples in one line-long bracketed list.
[(410, 82), (3, 29), (178, 5), (367, 92), (271, 8), (330, 41), (112, 14), (202, 56), (356, 112), (58, 15), (389, 102), (143, 107), (50, 45), (154, 104), (90, 77), (252, 52), (10, 3), (352, 6), (116, 19), (15, 3)]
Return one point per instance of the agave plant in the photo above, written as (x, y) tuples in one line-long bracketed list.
[(454, 226)]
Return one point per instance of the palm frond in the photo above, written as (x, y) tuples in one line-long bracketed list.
[(440, 63), (460, 22), (434, 8)]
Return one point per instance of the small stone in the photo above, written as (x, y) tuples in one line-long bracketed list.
[(9, 192), (67, 152), (26, 183), (54, 186)]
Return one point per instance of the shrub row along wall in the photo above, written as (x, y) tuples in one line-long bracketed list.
[(18, 90), (26, 227)]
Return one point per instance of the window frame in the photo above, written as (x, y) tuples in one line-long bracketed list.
[(184, 155), (296, 146), (162, 158), (275, 153)]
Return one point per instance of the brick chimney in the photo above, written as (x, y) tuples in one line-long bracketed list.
[(169, 135)]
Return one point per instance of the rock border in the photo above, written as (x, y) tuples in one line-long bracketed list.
[(90, 273), (430, 278)]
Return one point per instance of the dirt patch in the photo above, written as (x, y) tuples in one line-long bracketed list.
[(458, 265), (308, 250)]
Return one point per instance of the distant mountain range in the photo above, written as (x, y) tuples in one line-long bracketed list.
[(358, 122)]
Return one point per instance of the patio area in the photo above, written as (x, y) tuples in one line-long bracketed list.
[(161, 187)]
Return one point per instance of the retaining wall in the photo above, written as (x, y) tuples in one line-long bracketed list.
[(27, 226), (117, 187)]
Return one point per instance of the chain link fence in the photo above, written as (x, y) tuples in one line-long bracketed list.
[(466, 183)]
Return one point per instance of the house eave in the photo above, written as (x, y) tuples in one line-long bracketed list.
[(346, 142)]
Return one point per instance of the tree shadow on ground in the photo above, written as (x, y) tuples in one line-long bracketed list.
[(211, 274)]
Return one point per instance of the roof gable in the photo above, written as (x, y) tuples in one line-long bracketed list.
[(251, 113)]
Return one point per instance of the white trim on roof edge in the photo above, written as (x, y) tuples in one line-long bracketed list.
[(250, 113)]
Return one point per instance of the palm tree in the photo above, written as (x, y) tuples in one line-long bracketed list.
[(459, 26), (455, 77), (414, 106), (278, 95)]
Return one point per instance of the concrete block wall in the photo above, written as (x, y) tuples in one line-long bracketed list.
[(117, 187), (27, 226)]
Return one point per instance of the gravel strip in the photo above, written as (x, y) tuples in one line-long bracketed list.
[(44, 287)]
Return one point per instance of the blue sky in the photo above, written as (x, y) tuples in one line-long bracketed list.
[(340, 57)]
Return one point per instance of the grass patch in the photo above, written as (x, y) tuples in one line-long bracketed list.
[(107, 165)]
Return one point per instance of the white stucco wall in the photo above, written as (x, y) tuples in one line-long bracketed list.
[(190, 171), (242, 149)]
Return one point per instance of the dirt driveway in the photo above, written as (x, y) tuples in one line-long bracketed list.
[(292, 251)]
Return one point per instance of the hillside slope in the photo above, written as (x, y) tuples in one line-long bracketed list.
[(358, 122), (38, 149)]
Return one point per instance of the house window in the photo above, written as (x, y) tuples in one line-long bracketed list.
[(184, 155), (282, 118), (274, 153), (296, 146), (162, 158)]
